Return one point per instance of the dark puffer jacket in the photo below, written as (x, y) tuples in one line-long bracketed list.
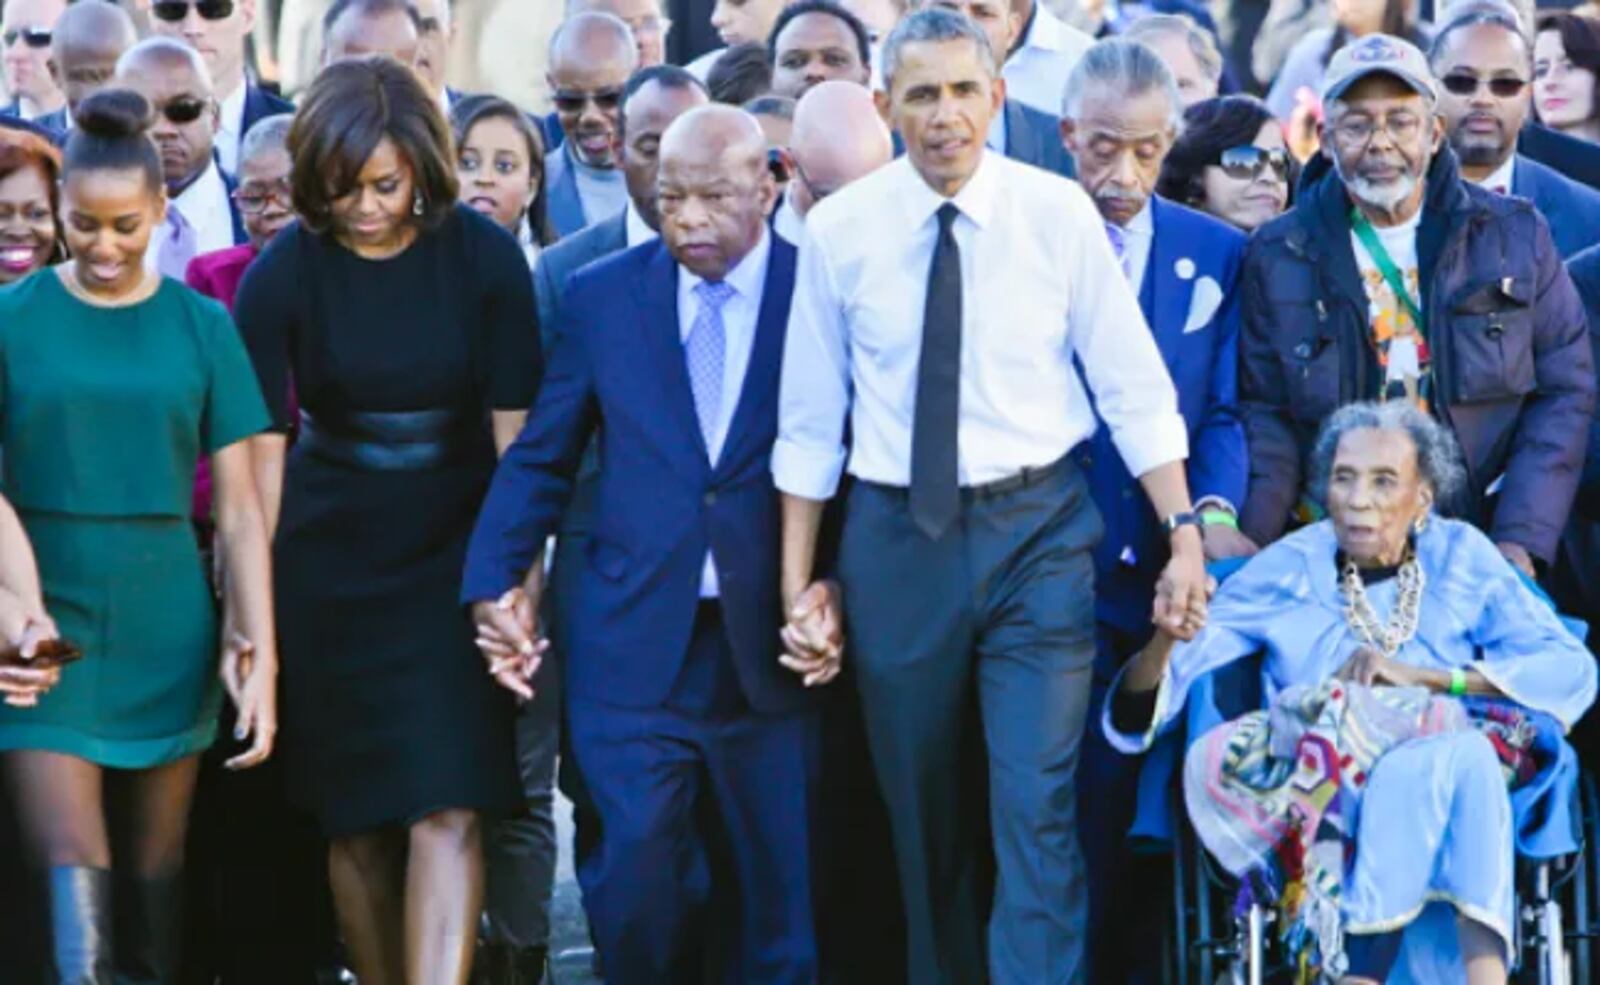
[(1513, 374)]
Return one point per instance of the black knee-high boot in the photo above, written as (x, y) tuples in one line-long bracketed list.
[(80, 924), (149, 924)]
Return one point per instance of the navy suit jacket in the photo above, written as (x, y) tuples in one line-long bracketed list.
[(563, 203), (260, 104), (1190, 301), (1576, 158), (57, 124), (660, 504), (1571, 209)]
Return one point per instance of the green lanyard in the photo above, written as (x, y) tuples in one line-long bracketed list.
[(1391, 273)]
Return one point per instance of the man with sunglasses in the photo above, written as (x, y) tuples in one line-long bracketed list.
[(218, 30), (26, 30), (1120, 115), (838, 136), (89, 38), (1484, 65), (201, 215), (1394, 279), (591, 57)]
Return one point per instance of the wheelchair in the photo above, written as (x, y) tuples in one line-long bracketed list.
[(1211, 940)]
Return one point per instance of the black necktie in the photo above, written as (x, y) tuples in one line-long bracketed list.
[(935, 497)]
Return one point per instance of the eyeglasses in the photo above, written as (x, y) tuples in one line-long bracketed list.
[(1501, 86), (173, 11), (650, 26), (604, 100), (183, 110), (1246, 163), (1359, 130), (254, 198), (33, 37)]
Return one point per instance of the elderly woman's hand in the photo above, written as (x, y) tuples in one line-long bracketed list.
[(1369, 668), (1184, 589)]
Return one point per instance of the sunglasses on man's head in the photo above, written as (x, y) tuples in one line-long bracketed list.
[(33, 37), (1246, 163), (183, 110), (605, 100), (173, 11), (1501, 86)]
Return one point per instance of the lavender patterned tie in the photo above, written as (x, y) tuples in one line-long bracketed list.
[(1119, 246), (177, 245), (706, 351)]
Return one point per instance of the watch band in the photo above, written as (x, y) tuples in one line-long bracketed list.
[(1176, 520)]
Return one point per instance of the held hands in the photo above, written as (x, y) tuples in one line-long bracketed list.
[(813, 639), (25, 627), (1184, 590), (251, 680), (508, 638)]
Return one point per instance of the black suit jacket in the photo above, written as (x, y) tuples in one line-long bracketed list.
[(260, 104), (1575, 158)]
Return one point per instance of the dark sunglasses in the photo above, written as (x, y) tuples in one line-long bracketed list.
[(183, 110), (173, 11), (1501, 87), (33, 37), (1246, 163), (605, 100)]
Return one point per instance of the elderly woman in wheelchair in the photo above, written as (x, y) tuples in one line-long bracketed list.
[(1415, 681)]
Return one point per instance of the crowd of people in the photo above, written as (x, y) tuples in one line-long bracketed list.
[(832, 463)]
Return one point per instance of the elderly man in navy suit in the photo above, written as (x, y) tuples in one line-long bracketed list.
[(1485, 72), (1120, 116), (676, 695)]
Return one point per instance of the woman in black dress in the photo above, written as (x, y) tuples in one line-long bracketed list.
[(407, 324)]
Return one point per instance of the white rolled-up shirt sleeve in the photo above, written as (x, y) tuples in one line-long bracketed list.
[(814, 388), (1132, 389)]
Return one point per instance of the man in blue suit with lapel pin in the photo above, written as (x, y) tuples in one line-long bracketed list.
[(1018, 131), (676, 694), (1120, 116)]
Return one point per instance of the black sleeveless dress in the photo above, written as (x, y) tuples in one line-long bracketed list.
[(387, 711)]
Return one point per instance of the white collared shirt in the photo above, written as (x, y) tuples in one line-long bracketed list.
[(789, 223), (1137, 238), (638, 231), (204, 205), (1502, 177), (1040, 286), (1036, 73), (739, 316), (230, 129)]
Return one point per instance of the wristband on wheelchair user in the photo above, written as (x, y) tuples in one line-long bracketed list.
[(1218, 518), (1458, 682)]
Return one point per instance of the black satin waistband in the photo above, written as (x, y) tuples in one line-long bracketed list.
[(400, 441)]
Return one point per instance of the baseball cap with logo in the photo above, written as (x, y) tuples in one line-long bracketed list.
[(1375, 54)]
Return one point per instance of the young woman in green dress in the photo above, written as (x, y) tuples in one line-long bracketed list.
[(112, 383)]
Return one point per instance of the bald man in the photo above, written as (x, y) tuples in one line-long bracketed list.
[(89, 38), (591, 57), (357, 28), (645, 18), (201, 216), (838, 137), (676, 693)]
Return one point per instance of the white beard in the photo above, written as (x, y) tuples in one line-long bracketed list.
[(1385, 196)]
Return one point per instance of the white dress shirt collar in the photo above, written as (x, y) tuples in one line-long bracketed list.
[(205, 206), (789, 223), (975, 199), (1138, 238), (1048, 32), (638, 231), (1502, 176), (230, 128), (747, 278)]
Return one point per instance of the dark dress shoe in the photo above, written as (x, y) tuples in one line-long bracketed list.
[(80, 924)]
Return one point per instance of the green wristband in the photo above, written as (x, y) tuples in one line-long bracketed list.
[(1219, 518), (1458, 682)]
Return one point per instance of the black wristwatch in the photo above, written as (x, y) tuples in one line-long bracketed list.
[(1176, 520)]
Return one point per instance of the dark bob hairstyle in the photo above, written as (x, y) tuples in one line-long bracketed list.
[(469, 111), (1210, 127), (350, 108)]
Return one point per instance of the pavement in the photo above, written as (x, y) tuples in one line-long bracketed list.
[(570, 953)]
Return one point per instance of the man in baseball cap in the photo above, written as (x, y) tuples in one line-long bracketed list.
[(1393, 278)]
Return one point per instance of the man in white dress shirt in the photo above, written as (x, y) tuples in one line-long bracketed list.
[(940, 307), (200, 212), (1036, 70), (27, 28), (838, 137)]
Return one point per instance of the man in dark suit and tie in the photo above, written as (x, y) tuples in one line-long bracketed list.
[(943, 306), (89, 39), (1019, 131), (670, 351), (217, 29), (1485, 71), (1122, 109)]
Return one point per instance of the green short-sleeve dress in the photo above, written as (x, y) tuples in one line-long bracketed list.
[(103, 414)]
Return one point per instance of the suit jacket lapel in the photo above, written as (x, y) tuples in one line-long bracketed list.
[(1020, 138), (666, 368), (760, 387), (566, 207), (1163, 297)]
